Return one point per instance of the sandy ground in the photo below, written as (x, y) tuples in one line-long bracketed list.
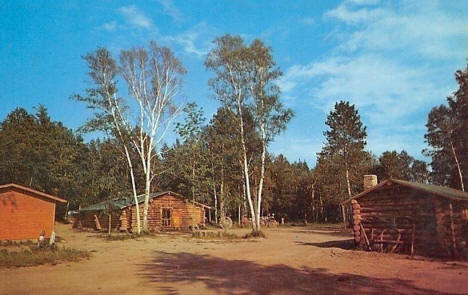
[(290, 261)]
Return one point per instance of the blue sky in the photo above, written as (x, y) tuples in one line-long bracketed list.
[(394, 60)]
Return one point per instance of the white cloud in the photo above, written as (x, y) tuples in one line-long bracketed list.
[(136, 17), (110, 26), (363, 2), (394, 61), (391, 91), (195, 41), (354, 16), (307, 21), (171, 10), (424, 30)]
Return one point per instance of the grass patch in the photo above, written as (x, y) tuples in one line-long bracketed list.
[(9, 243), (326, 226), (255, 234), (214, 235), (126, 236), (36, 256)]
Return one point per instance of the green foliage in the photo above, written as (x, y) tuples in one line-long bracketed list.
[(38, 152), (447, 137), (288, 190), (402, 166), (343, 159)]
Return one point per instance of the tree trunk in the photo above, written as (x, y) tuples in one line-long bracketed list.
[(112, 102), (110, 224), (246, 169), (222, 197), (147, 186), (215, 203), (262, 176), (321, 207), (193, 182), (458, 166), (347, 180), (313, 203)]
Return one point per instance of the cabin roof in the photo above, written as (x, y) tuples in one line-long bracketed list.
[(441, 191), (32, 191), (123, 202)]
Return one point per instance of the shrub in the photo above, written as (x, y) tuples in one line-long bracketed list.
[(255, 234), (36, 256)]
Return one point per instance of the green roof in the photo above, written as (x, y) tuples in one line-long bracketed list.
[(440, 191), (120, 203)]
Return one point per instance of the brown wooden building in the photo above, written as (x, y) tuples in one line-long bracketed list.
[(407, 217), (167, 211), (25, 212)]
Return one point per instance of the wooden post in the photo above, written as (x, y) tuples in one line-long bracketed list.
[(412, 239), (97, 223), (381, 240), (110, 224), (344, 215), (365, 236), (452, 230)]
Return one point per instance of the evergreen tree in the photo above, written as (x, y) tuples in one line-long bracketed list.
[(346, 139)]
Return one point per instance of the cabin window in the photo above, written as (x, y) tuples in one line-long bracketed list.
[(166, 216)]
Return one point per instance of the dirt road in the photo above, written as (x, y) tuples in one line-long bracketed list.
[(290, 261)]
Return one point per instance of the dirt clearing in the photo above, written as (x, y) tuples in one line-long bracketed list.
[(290, 261)]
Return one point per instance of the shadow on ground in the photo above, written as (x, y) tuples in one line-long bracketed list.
[(342, 244), (223, 276), (339, 233)]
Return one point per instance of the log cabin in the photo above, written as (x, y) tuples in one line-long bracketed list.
[(25, 213), (167, 211), (411, 218)]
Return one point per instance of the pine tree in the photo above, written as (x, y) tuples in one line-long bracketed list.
[(346, 139)]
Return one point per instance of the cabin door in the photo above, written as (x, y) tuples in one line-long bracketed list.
[(177, 218)]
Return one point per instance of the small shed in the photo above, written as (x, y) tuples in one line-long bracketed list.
[(407, 217), (167, 211), (25, 212)]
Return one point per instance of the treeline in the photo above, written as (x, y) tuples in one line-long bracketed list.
[(222, 161)]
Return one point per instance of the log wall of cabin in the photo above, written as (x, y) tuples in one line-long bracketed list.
[(391, 212), (183, 213), (86, 220), (452, 226)]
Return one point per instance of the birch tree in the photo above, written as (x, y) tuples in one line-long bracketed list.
[(154, 79), (244, 83), (229, 62), (109, 109), (269, 114)]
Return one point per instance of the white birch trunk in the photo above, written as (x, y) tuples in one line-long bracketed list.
[(262, 176), (348, 184), (458, 166), (221, 197), (246, 170), (115, 110), (215, 203)]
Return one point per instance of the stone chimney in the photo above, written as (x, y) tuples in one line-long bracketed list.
[(369, 181)]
